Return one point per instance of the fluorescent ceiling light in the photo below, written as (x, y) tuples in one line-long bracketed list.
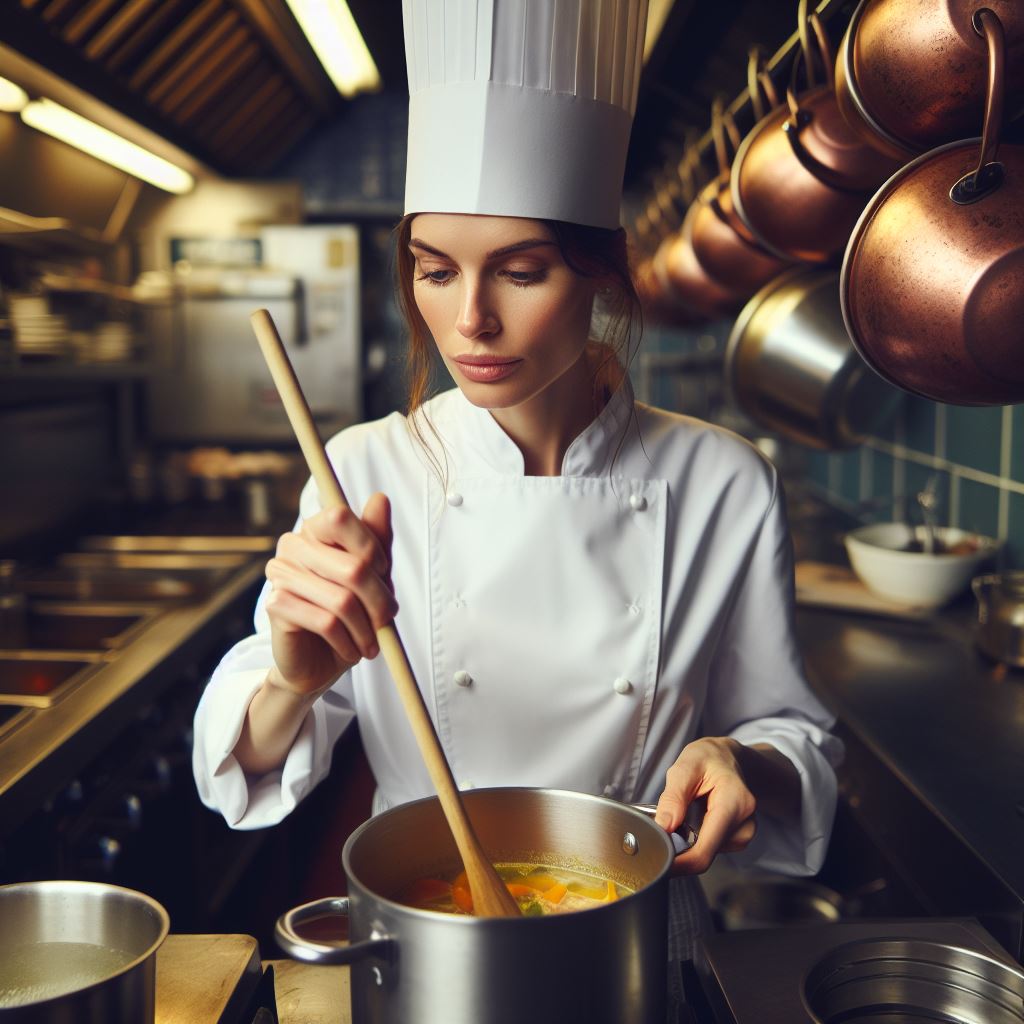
[(12, 97), (72, 128), (338, 43)]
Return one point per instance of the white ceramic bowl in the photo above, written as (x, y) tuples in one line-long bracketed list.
[(912, 577)]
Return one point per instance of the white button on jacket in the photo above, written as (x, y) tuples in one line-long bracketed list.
[(545, 569)]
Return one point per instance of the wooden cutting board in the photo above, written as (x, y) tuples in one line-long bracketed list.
[(820, 585), (311, 993), (197, 975)]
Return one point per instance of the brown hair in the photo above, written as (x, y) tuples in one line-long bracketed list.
[(589, 252)]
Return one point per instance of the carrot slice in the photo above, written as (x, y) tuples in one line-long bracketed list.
[(461, 895), (427, 890), (518, 890), (556, 893), (537, 881)]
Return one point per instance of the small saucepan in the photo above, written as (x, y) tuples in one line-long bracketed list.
[(605, 966), (1000, 627), (78, 953)]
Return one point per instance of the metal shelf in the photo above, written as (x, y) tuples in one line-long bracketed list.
[(45, 234), (60, 370)]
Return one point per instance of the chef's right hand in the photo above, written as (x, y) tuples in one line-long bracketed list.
[(330, 593)]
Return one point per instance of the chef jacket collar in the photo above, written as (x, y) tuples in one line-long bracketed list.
[(586, 456)]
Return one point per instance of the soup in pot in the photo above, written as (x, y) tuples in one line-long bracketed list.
[(538, 889)]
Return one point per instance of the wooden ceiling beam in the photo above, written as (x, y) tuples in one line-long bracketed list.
[(281, 33), (214, 88), (119, 26), (84, 21), (197, 22), (198, 81)]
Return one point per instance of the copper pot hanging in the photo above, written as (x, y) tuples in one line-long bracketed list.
[(802, 176), (732, 260), (910, 74), (691, 284), (691, 287), (933, 280)]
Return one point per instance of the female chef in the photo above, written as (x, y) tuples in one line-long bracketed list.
[(594, 595)]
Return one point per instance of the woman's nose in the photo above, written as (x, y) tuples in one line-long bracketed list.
[(476, 318)]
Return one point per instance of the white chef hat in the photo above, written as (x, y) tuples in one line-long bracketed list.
[(521, 108)]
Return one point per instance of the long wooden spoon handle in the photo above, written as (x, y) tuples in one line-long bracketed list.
[(490, 897)]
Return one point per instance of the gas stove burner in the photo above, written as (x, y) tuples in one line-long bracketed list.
[(911, 971), (910, 980)]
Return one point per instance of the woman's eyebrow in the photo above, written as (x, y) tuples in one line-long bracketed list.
[(505, 250)]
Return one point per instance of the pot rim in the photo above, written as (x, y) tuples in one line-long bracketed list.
[(72, 886), (903, 149), (642, 820)]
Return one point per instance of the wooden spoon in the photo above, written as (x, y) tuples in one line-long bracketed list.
[(490, 897)]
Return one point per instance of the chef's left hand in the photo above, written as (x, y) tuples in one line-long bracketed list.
[(708, 769)]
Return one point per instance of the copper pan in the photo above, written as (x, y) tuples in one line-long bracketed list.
[(691, 284), (933, 280), (731, 260), (802, 176), (693, 292), (910, 74)]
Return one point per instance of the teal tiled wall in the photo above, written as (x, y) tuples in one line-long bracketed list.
[(976, 454)]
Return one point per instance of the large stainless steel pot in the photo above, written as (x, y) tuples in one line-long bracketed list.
[(603, 966), (789, 364), (78, 953)]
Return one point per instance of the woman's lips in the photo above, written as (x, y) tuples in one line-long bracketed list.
[(486, 369)]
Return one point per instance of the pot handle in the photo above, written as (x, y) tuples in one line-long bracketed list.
[(682, 839), (722, 123), (288, 938), (988, 175), (799, 118), (760, 86)]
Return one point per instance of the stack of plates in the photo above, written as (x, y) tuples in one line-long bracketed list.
[(37, 332)]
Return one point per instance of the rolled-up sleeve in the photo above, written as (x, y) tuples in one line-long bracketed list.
[(250, 801), (759, 694)]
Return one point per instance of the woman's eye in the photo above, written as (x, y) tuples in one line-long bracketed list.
[(436, 276), (525, 277)]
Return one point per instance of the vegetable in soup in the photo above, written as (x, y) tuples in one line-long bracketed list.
[(538, 889)]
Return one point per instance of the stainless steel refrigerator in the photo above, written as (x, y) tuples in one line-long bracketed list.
[(210, 382)]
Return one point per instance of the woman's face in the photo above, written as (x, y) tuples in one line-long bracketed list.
[(507, 314)]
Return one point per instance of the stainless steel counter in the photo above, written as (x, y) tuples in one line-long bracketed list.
[(935, 756), (41, 749)]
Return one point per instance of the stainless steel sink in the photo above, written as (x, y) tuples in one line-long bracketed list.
[(53, 626), (127, 576), (39, 679), (196, 543)]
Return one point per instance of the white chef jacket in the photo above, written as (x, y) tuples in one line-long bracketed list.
[(571, 632)]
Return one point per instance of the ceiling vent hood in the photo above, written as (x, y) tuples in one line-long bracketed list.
[(233, 82)]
